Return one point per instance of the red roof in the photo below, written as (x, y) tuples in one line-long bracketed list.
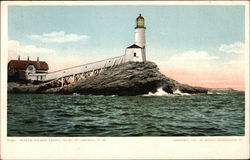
[(134, 46), (23, 64)]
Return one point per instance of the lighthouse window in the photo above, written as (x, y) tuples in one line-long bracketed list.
[(134, 54), (140, 23)]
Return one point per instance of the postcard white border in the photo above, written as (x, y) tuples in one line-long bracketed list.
[(233, 147)]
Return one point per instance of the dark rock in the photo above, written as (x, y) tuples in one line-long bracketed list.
[(130, 79)]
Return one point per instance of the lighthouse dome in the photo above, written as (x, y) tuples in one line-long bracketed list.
[(140, 22), (139, 17)]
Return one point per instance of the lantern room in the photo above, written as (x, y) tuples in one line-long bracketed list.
[(140, 22)]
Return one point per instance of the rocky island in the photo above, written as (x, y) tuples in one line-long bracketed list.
[(129, 79)]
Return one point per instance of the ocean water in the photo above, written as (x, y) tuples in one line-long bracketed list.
[(53, 115)]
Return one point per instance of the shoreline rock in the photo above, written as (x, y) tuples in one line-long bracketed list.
[(129, 79)]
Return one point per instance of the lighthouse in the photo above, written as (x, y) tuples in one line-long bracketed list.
[(137, 51)]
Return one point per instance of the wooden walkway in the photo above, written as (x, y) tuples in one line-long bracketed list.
[(78, 72)]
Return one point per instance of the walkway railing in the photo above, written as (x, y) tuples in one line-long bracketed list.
[(82, 69)]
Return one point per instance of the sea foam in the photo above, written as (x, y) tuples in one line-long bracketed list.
[(178, 92), (159, 92)]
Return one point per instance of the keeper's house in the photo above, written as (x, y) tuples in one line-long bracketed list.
[(20, 69)]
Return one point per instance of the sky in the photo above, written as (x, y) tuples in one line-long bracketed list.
[(193, 44)]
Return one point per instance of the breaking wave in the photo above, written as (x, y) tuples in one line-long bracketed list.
[(178, 92), (159, 92)]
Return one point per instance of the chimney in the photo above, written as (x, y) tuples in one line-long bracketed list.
[(37, 59), (18, 58), (28, 58)]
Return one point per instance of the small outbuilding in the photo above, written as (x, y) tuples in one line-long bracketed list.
[(134, 53)]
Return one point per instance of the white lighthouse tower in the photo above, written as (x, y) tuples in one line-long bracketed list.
[(137, 52), (140, 32)]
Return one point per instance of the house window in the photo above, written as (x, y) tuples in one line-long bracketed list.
[(134, 54)]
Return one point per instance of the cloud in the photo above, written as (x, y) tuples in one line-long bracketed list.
[(234, 62), (15, 49), (193, 56), (199, 68), (191, 60), (15, 46), (237, 48), (58, 37)]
